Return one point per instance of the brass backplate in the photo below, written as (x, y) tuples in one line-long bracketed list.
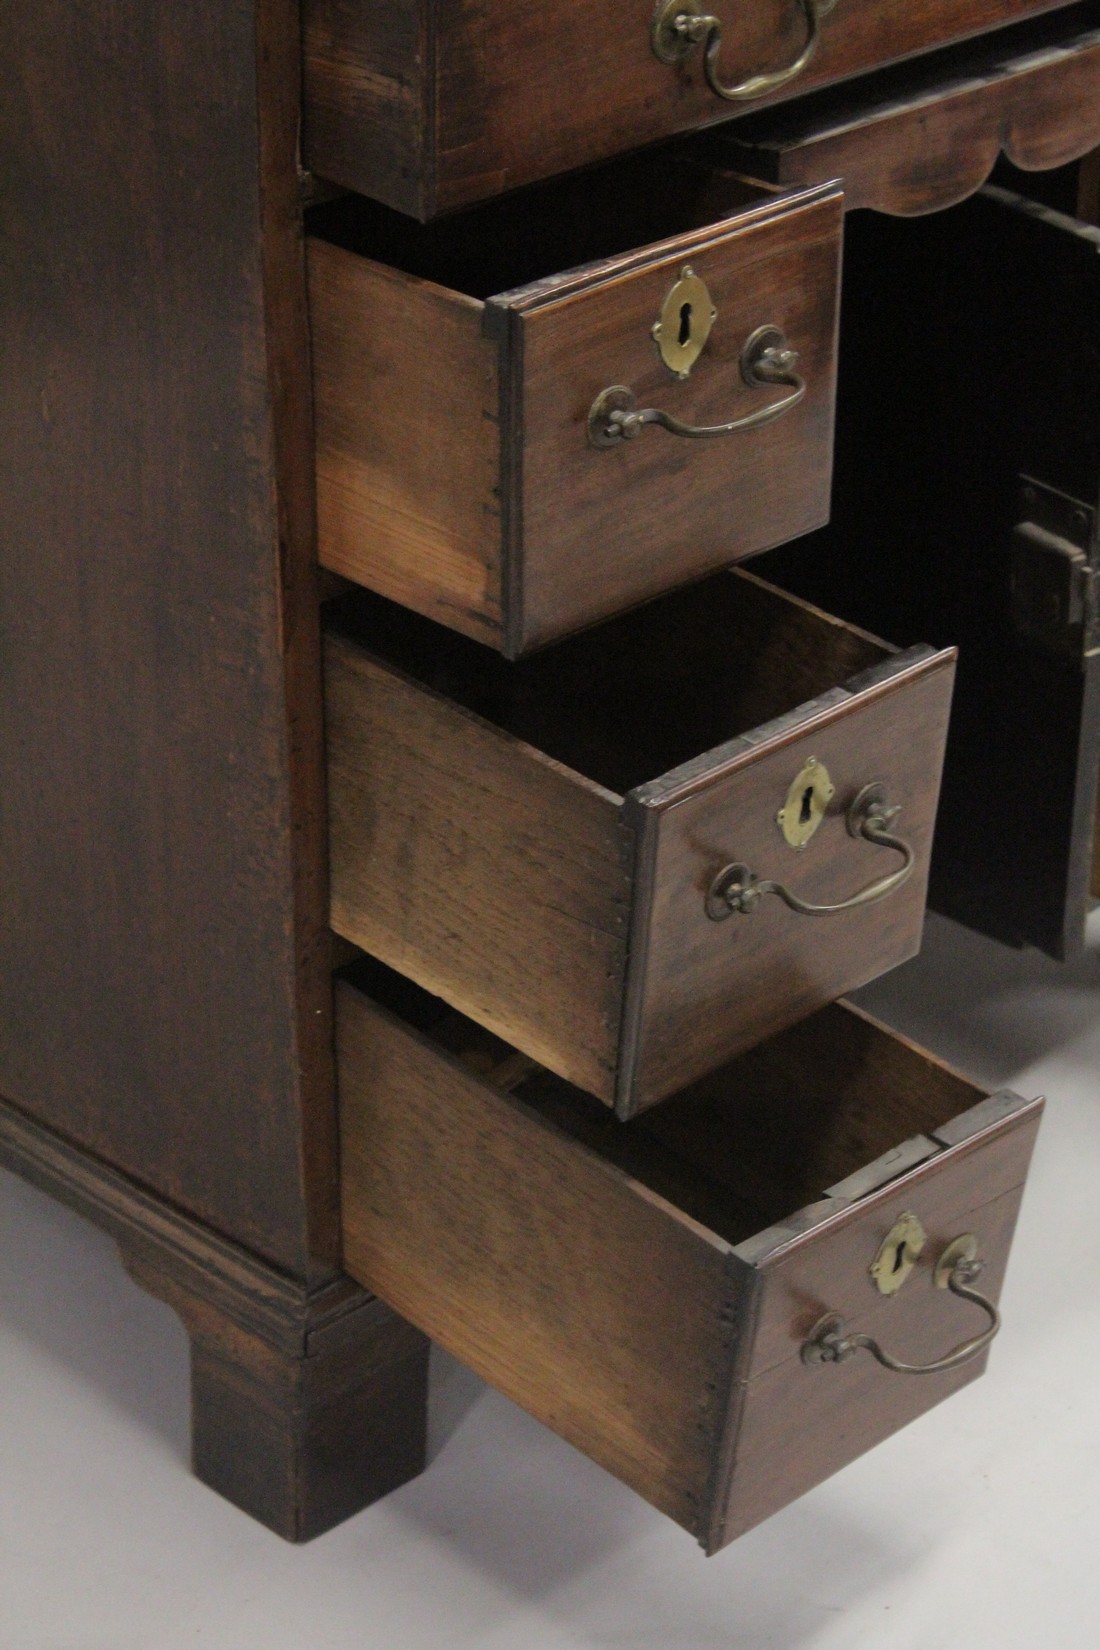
[(684, 324), (963, 1248), (898, 1254), (670, 44), (807, 802)]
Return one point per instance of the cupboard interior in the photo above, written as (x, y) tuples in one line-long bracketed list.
[(969, 359)]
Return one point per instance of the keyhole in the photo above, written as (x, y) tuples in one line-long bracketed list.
[(899, 1256), (685, 324), (806, 812)]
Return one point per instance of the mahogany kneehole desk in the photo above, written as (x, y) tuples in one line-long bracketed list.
[(696, 1293)]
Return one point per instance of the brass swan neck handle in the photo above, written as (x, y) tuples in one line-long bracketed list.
[(957, 1269), (680, 25), (737, 889), (767, 359)]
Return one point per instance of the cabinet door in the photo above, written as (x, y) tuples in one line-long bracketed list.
[(967, 485)]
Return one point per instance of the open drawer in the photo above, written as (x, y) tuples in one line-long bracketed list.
[(517, 447), (647, 848), (689, 1297), (926, 135), (428, 105)]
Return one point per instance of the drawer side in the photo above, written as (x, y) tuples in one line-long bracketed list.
[(407, 410), (582, 1297), (494, 877), (367, 99)]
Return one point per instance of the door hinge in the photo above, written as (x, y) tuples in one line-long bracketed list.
[(1055, 579)]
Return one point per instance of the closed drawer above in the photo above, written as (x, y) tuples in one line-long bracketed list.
[(604, 854), (429, 106), (473, 462), (927, 135), (688, 1298)]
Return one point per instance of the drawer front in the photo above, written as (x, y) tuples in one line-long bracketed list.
[(458, 464), (596, 529), (799, 1421), (671, 1355), (928, 136), (429, 107), (706, 989)]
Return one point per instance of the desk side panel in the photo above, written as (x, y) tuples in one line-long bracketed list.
[(163, 1001)]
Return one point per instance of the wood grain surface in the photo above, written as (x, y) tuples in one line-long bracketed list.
[(491, 874), (301, 1439), (483, 1222), (792, 1431), (367, 98), (823, 1263), (164, 998), (543, 1243), (927, 136), (430, 107), (787, 1120), (408, 441)]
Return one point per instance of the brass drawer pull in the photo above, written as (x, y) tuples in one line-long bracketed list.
[(615, 417), (957, 1268), (680, 25), (737, 889)]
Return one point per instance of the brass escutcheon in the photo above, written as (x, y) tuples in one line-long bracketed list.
[(807, 801), (684, 324), (898, 1253)]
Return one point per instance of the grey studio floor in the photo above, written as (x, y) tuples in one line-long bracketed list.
[(977, 1527)]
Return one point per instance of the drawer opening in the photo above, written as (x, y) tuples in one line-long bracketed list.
[(708, 664), (836, 1099), (550, 228)]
